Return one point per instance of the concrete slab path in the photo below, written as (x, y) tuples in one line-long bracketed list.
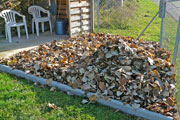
[(8, 49)]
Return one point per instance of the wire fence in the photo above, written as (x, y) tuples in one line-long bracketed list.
[(170, 33), (171, 20)]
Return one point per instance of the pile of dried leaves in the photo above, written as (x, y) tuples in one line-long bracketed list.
[(135, 72)]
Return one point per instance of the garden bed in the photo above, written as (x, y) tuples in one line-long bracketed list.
[(135, 72)]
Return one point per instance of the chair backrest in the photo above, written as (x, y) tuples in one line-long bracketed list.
[(35, 11), (9, 16)]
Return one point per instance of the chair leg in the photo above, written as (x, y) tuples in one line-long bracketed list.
[(9, 34), (50, 26), (33, 26), (42, 26), (27, 36), (18, 31), (6, 33), (37, 28)]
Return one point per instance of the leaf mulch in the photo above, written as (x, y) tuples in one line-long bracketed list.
[(136, 72)]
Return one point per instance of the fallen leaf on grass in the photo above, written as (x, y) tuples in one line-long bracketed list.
[(117, 110), (84, 101), (93, 98), (36, 83), (52, 106), (52, 89)]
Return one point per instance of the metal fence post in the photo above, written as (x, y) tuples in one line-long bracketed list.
[(177, 43), (98, 2), (162, 22)]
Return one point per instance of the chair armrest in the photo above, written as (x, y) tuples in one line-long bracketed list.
[(46, 11), (19, 14), (24, 18)]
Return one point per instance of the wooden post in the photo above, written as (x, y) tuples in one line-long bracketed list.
[(98, 1), (69, 14), (92, 15)]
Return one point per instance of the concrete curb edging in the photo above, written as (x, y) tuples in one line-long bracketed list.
[(111, 103)]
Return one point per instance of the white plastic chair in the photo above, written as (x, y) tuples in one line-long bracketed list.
[(10, 21), (35, 11)]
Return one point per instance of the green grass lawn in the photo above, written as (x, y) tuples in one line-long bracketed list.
[(138, 22), (20, 99)]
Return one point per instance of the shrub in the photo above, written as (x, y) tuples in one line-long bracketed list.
[(116, 17)]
